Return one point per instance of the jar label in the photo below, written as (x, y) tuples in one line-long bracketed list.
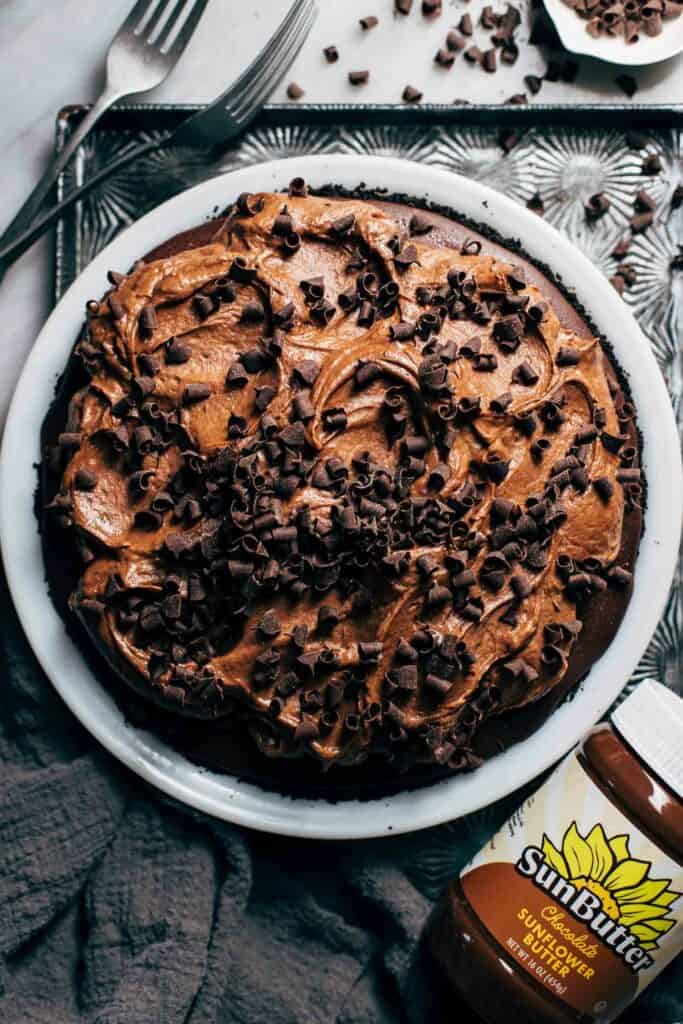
[(576, 895)]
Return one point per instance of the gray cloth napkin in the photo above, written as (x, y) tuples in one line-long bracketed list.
[(118, 906)]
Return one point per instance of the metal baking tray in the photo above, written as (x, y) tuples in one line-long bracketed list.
[(565, 154)]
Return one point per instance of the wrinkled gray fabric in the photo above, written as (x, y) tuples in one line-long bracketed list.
[(118, 906)]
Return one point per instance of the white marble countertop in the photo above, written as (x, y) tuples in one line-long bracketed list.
[(53, 54)]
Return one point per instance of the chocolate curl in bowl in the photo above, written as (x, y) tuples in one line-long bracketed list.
[(613, 18), (671, 10), (653, 26), (631, 31), (595, 28)]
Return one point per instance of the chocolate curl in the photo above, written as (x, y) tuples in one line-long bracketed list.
[(631, 30)]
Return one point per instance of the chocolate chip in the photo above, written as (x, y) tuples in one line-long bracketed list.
[(536, 204), (596, 206), (499, 405), (486, 362), (411, 95), (359, 77), (533, 84), (370, 651), (248, 205), (252, 312), (331, 55), (343, 225), (567, 356), (371, 21), (437, 685), (619, 577), (402, 331), (438, 477), (302, 407), (405, 257), (283, 224), (263, 396), (465, 24), (444, 58), (525, 374), (431, 8), (177, 351), (612, 442), (473, 55), (334, 419), (454, 41), (204, 306), (640, 222), (148, 320), (437, 596), (294, 91), (489, 61), (604, 487), (269, 625), (195, 393), (85, 479), (366, 373), (293, 436), (237, 376)]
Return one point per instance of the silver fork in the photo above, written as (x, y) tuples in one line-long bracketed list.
[(141, 55), (226, 117)]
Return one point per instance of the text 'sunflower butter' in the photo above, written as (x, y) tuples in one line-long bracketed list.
[(576, 904)]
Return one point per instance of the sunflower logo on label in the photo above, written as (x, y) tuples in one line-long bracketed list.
[(603, 886)]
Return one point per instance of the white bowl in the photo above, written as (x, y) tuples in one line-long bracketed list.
[(615, 50), (242, 802)]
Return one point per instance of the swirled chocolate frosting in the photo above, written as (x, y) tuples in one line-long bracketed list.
[(334, 477)]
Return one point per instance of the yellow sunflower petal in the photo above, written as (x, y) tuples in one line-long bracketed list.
[(651, 932), (577, 853), (635, 913), (667, 898), (648, 945), (646, 892), (628, 874), (603, 858), (619, 847), (554, 857)]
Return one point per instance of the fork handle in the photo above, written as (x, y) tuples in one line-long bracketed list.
[(19, 243), (28, 211)]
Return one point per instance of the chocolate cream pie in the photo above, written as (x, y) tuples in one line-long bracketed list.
[(341, 482)]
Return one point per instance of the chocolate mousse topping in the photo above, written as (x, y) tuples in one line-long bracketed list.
[(333, 477)]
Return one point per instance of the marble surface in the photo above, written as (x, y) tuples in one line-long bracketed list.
[(53, 54)]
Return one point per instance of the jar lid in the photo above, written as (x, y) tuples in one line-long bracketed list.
[(651, 722)]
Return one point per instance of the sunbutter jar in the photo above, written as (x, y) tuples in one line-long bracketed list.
[(576, 904)]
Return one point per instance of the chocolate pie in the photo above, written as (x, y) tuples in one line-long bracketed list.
[(342, 482)]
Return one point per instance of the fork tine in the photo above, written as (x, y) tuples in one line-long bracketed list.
[(157, 21), (266, 55), (140, 9), (251, 98), (261, 86), (187, 28)]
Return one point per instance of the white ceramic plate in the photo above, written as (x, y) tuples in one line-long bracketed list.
[(648, 50), (241, 802)]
